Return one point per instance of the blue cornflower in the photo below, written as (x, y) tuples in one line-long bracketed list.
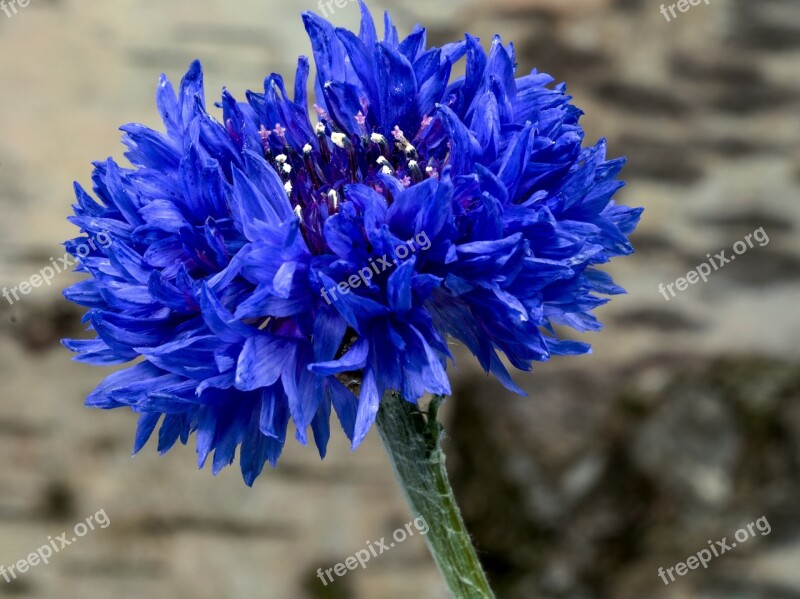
[(230, 240)]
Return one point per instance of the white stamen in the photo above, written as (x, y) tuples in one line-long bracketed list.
[(413, 164), (307, 149), (287, 168), (299, 212), (339, 139), (409, 149), (382, 160), (288, 187), (320, 128), (281, 158), (377, 138), (334, 198), (386, 170)]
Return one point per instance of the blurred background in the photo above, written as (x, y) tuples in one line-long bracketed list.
[(683, 426)]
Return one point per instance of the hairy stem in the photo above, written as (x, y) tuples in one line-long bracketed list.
[(412, 440)]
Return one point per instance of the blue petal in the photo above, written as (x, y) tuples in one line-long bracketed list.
[(345, 404), (354, 359), (262, 361), (144, 429), (368, 403), (397, 86), (398, 289)]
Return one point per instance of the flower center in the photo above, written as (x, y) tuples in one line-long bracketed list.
[(314, 176)]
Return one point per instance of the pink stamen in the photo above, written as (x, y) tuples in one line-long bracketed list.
[(265, 133), (362, 122), (321, 113)]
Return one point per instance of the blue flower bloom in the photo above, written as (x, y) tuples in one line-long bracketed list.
[(232, 242)]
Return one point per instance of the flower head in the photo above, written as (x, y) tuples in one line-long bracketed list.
[(261, 264)]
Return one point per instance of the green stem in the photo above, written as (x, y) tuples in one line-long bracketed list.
[(412, 440)]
